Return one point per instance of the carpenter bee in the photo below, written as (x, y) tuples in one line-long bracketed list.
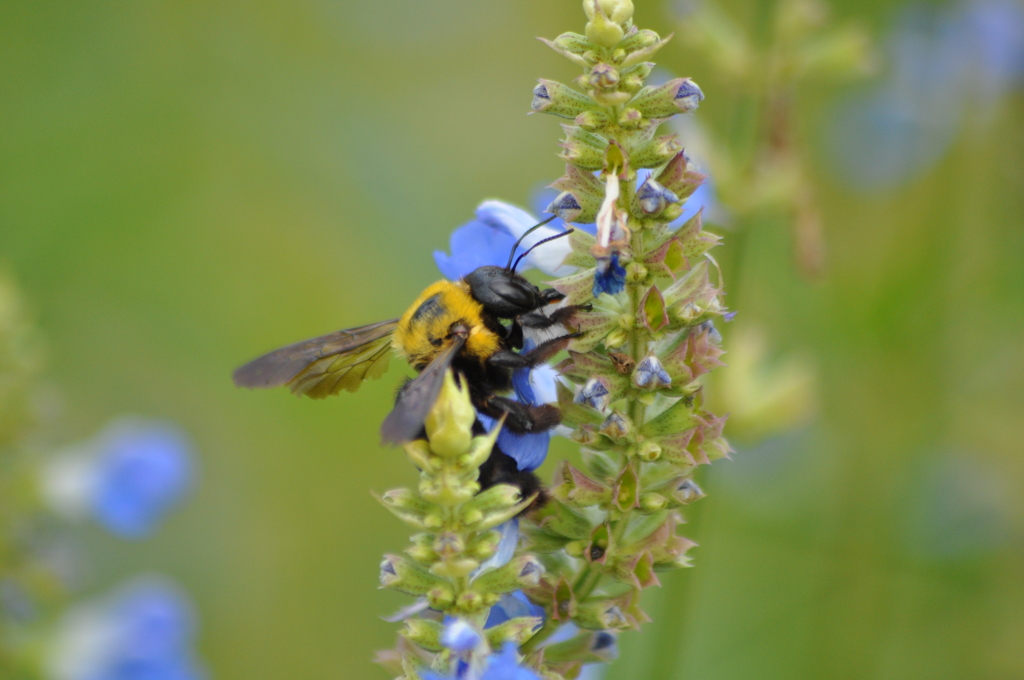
[(455, 325)]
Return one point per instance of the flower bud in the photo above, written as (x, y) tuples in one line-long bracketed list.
[(603, 77), (617, 338), (560, 100), (687, 492), (424, 633), (522, 572), (651, 375), (566, 206), (655, 152), (404, 575), (516, 631), (594, 394), (652, 198), (604, 32), (440, 598), (652, 502), (601, 615), (635, 273), (573, 47), (676, 96), (449, 423), (632, 79), (619, 11), (649, 451), (615, 426)]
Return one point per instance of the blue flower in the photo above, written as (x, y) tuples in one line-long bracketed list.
[(944, 62), (489, 238), (610, 276), (143, 469), (505, 666), (145, 632)]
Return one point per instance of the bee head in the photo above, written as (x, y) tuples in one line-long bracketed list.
[(507, 294)]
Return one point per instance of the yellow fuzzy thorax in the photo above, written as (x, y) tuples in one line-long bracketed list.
[(424, 328)]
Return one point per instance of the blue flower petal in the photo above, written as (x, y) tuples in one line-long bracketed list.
[(473, 245), (610, 276), (512, 606), (143, 470), (459, 635), (505, 666), (528, 450)]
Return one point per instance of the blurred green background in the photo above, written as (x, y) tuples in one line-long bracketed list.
[(186, 185)]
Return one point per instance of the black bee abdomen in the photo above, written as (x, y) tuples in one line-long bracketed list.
[(431, 308)]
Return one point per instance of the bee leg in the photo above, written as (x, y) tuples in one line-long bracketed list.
[(522, 418), (562, 315), (514, 339)]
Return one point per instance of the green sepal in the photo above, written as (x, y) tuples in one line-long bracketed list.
[(423, 633), (520, 572), (586, 189), (588, 647), (541, 541), (600, 464), (579, 489), (640, 46), (690, 287), (653, 314), (583, 149), (595, 326), (577, 288), (448, 488), (680, 95), (581, 243), (558, 518), (480, 450), (552, 97), (493, 506), (655, 152), (517, 631), (632, 79), (673, 420), (406, 576), (407, 506), (626, 492), (601, 615), (573, 47), (678, 178), (573, 414)]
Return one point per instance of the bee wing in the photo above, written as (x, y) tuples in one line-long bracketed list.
[(417, 397), (326, 365)]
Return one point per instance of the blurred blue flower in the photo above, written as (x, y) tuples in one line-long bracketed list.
[(144, 632), (144, 468), (943, 61), (127, 478), (489, 238), (506, 547), (500, 666), (459, 635), (531, 387)]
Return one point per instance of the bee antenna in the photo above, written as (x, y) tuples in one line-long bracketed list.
[(542, 241), (525, 234)]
